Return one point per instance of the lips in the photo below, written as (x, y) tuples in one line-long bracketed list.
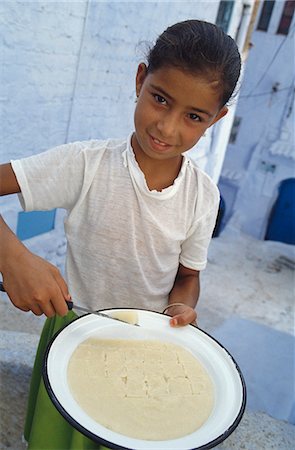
[(159, 142), (159, 145)]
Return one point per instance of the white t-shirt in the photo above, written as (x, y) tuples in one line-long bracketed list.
[(125, 242)]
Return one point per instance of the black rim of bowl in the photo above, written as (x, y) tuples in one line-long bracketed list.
[(112, 445)]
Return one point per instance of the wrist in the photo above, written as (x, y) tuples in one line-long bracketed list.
[(12, 248)]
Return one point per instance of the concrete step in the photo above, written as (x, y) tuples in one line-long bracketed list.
[(17, 353), (18, 348), (258, 431), (13, 319)]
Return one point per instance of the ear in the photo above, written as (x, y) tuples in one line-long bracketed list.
[(140, 77), (219, 116)]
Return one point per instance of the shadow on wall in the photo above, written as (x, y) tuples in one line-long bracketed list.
[(219, 225)]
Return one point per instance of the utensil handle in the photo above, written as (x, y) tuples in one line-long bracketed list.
[(70, 305)]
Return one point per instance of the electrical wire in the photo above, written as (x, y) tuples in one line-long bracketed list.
[(271, 61), (266, 93)]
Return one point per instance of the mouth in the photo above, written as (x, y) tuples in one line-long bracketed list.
[(159, 145)]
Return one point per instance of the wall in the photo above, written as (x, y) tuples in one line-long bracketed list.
[(39, 57), (263, 153), (68, 67), (116, 38)]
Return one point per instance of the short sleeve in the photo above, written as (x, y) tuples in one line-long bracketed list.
[(58, 177), (194, 249)]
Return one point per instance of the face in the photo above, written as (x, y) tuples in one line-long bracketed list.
[(173, 111)]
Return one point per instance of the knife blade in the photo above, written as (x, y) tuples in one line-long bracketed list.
[(72, 305)]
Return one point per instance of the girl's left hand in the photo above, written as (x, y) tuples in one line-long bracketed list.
[(181, 315)]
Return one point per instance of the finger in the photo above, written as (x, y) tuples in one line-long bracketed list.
[(20, 304), (195, 321), (63, 286), (47, 309), (36, 310), (185, 318), (22, 308), (40, 302), (58, 302)]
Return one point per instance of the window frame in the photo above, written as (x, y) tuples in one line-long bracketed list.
[(286, 17), (265, 15), (224, 14)]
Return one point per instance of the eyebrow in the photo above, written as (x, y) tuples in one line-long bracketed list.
[(193, 108)]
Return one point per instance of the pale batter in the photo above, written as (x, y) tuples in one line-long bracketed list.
[(145, 389)]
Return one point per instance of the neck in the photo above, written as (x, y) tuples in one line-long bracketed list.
[(159, 174)]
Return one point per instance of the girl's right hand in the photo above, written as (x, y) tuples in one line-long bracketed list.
[(33, 284)]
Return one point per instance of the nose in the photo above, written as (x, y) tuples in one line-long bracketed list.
[(168, 124)]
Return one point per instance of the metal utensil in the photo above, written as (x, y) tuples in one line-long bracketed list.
[(72, 305)]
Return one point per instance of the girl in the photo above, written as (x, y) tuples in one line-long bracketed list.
[(140, 213)]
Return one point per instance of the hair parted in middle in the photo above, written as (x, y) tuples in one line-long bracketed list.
[(201, 48)]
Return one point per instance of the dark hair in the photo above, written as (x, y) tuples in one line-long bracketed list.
[(201, 48)]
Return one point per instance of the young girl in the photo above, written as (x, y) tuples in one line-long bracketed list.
[(140, 213)]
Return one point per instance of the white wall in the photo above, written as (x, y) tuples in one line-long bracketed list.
[(68, 68), (115, 40), (39, 56)]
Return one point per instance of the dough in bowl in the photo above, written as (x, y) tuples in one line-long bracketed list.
[(144, 389)]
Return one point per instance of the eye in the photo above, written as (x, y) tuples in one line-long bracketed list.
[(195, 117), (160, 99)]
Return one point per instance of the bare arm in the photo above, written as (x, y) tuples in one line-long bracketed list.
[(31, 283), (8, 181), (186, 290)]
